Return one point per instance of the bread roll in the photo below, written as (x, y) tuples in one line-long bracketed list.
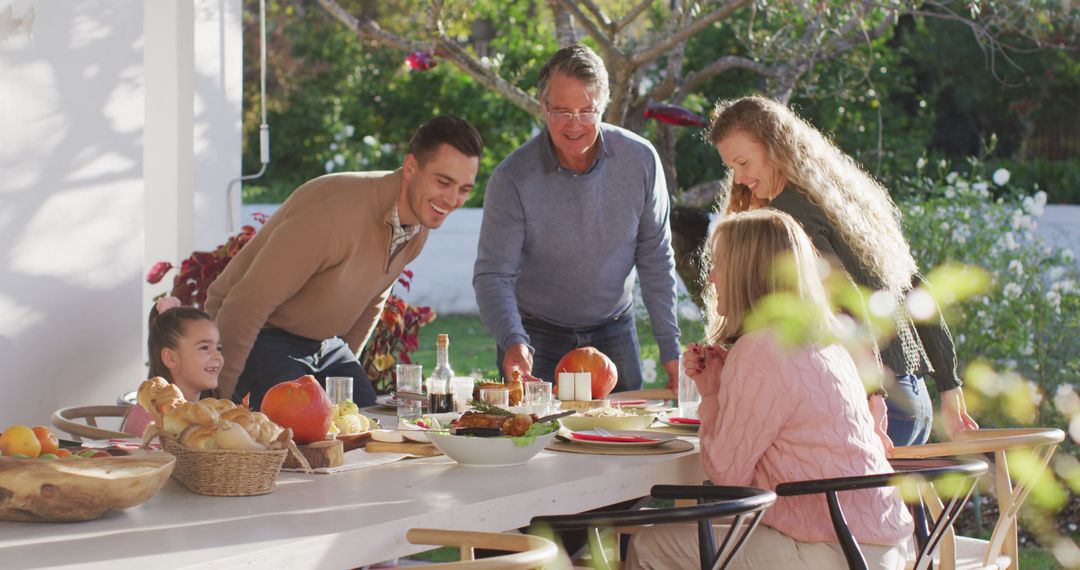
[(198, 437), (187, 414), (231, 435), (157, 397), (219, 405)]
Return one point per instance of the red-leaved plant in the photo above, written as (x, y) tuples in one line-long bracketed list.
[(396, 333)]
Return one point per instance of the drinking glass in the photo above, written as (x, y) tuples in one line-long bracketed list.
[(538, 397), (462, 389), (339, 388), (410, 386), (498, 396), (689, 398)]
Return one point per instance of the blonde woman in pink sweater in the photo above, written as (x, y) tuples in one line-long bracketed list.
[(774, 412)]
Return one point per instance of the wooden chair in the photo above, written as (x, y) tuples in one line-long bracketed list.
[(1000, 552), (525, 551), (745, 504), (64, 419), (958, 475)]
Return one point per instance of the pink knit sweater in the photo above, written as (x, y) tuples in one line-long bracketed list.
[(772, 415)]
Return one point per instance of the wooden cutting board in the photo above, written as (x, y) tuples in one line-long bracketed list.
[(407, 447), (326, 453)]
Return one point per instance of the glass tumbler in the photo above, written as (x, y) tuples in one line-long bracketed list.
[(339, 388), (538, 397), (689, 398), (410, 386), (498, 396)]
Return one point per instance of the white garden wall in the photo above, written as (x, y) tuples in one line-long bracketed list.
[(80, 208)]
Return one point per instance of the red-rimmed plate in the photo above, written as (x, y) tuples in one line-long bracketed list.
[(638, 438), (689, 424)]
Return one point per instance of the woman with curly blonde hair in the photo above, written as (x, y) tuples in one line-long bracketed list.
[(778, 160)]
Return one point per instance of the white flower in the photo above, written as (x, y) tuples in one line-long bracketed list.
[(339, 159), (1012, 290), (980, 186), (1054, 298), (920, 163), (649, 375), (1036, 394), (1067, 254), (942, 164), (950, 193), (1001, 177), (1066, 400), (329, 166), (1010, 242), (349, 130), (951, 177), (333, 146), (370, 140), (1015, 266), (1056, 272), (648, 364), (944, 226)]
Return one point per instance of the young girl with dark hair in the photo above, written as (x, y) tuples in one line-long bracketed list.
[(185, 349)]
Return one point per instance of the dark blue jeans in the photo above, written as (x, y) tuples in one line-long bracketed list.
[(617, 338), (279, 356), (911, 413)]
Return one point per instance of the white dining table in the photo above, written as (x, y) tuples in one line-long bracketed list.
[(343, 520)]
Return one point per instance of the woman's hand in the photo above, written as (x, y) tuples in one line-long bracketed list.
[(954, 413), (879, 411), (703, 363)]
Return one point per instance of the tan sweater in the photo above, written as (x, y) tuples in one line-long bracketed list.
[(319, 268)]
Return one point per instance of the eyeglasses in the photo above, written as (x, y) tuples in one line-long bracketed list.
[(586, 117)]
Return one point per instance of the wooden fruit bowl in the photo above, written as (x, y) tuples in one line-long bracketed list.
[(61, 490)]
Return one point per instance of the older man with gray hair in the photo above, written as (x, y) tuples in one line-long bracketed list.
[(568, 218)]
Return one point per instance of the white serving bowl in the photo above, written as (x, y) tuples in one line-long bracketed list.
[(487, 451), (635, 422)]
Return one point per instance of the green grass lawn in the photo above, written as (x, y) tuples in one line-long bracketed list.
[(472, 348)]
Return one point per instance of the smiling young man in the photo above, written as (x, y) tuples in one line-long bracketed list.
[(303, 296), (568, 218)]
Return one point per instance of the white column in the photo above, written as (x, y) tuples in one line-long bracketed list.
[(168, 60)]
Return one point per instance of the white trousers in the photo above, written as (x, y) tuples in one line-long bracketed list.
[(675, 547)]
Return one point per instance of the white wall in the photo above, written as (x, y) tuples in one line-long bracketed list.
[(73, 192)]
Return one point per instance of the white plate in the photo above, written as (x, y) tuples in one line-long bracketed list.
[(688, 427), (660, 437)]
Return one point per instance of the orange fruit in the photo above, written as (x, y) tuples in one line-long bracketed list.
[(48, 441), (20, 439), (61, 453)]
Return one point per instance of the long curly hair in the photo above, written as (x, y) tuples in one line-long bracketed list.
[(859, 207)]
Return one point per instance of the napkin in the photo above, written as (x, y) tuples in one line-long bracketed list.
[(688, 421), (611, 438), (357, 459)]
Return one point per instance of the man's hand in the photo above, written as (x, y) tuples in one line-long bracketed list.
[(517, 356), (954, 413), (672, 367), (879, 412)]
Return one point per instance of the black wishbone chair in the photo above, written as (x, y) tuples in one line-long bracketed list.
[(953, 478), (745, 504)]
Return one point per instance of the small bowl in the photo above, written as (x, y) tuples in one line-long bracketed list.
[(487, 451), (635, 422), (55, 490)]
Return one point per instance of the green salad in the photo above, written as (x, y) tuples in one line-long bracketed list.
[(535, 431)]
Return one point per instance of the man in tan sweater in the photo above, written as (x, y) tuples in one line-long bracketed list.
[(303, 296)]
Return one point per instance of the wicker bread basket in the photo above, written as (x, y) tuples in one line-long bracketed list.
[(225, 472)]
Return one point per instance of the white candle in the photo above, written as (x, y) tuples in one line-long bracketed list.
[(566, 386), (583, 386)]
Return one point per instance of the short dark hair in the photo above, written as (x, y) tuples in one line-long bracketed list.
[(446, 129), (579, 62)]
